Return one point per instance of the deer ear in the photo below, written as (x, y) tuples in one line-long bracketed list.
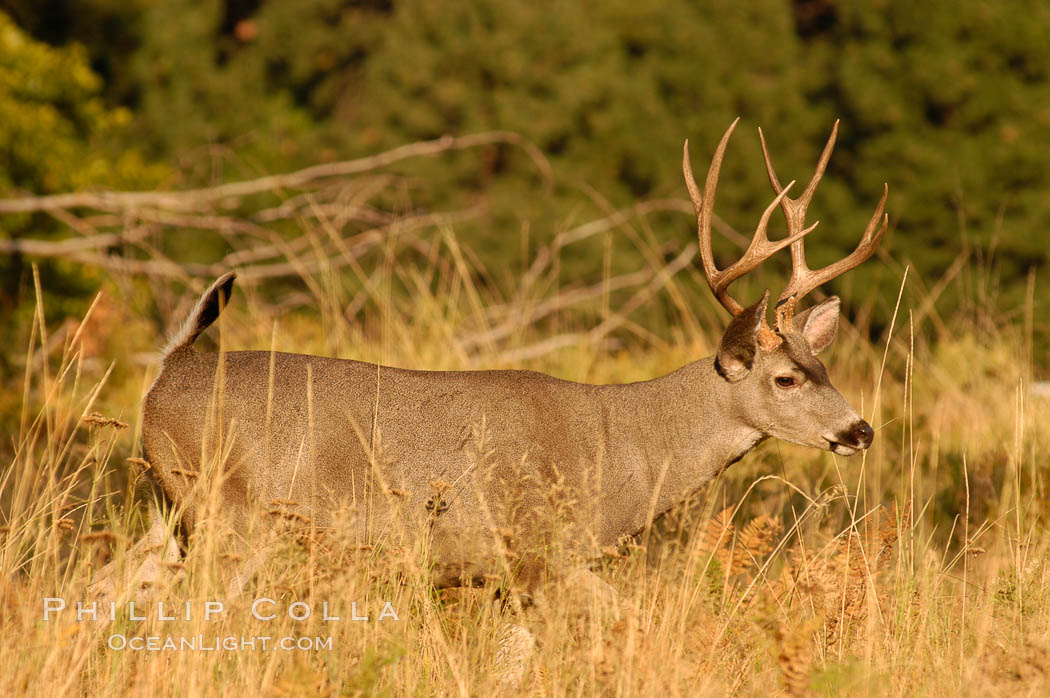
[(819, 324), (736, 351)]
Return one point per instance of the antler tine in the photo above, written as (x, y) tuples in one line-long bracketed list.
[(704, 207), (795, 209), (818, 173), (803, 279), (760, 248)]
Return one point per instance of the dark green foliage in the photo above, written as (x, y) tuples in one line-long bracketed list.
[(56, 134), (947, 102)]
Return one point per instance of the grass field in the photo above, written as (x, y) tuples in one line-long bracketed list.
[(919, 568)]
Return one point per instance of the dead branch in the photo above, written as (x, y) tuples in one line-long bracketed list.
[(547, 253), (60, 248), (365, 241), (523, 316), (198, 199), (87, 251), (599, 335)]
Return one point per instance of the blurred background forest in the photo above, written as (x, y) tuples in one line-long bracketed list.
[(947, 102), (551, 231)]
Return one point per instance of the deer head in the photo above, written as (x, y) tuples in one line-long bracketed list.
[(780, 386)]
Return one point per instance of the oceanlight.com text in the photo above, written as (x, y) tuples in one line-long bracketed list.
[(230, 643)]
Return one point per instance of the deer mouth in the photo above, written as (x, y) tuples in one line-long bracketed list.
[(841, 449), (857, 438)]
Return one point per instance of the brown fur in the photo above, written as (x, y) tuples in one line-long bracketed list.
[(516, 449)]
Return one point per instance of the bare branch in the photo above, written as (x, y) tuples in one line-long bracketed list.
[(87, 251), (196, 199), (599, 335)]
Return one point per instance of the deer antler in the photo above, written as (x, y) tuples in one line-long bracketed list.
[(760, 249), (803, 279)]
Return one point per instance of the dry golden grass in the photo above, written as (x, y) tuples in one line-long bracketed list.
[(919, 568)]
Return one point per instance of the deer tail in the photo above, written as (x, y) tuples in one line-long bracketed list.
[(204, 313)]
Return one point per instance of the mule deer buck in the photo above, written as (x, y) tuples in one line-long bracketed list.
[(375, 442)]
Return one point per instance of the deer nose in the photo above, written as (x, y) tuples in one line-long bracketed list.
[(861, 435)]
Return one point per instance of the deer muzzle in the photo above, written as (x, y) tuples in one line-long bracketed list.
[(857, 437)]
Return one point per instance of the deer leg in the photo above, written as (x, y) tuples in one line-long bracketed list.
[(517, 645), (248, 569), (587, 588), (586, 594), (145, 565)]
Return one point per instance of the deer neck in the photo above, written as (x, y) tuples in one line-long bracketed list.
[(692, 433)]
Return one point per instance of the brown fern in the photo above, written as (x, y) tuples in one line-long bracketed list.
[(837, 582), (716, 538), (795, 655), (738, 552)]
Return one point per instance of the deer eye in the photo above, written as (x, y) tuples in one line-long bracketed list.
[(785, 382)]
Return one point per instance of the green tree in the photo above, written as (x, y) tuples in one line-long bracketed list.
[(949, 103), (57, 135)]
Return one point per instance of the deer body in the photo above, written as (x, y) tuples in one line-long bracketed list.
[(458, 456), (328, 433), (622, 449)]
